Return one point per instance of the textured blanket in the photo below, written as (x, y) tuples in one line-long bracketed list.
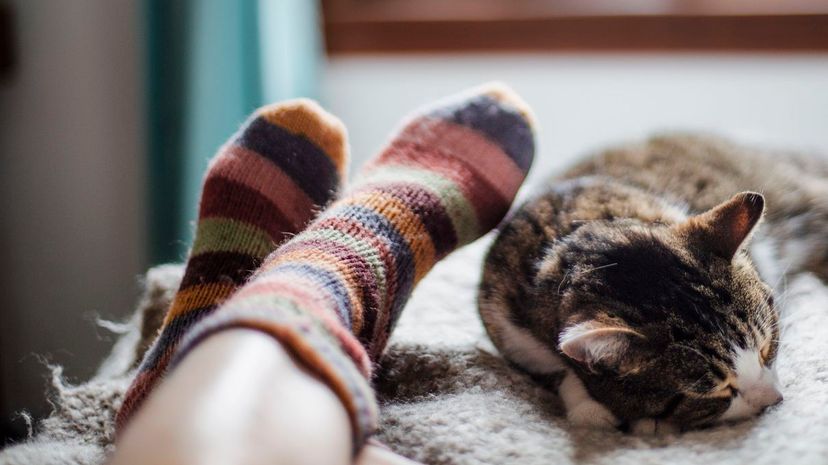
[(448, 398)]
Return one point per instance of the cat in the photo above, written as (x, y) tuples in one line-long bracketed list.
[(641, 274)]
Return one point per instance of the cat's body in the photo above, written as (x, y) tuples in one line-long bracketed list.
[(630, 273), (699, 172)]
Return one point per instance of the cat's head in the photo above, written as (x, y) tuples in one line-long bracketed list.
[(668, 321)]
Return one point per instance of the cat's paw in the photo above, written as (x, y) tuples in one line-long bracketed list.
[(653, 427), (591, 414)]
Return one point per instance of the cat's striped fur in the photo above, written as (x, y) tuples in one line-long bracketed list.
[(632, 274)]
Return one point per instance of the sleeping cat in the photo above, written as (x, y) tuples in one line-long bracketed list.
[(633, 273)]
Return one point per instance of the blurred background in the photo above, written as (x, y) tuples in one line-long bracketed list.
[(110, 109)]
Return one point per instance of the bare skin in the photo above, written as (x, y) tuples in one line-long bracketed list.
[(240, 398)]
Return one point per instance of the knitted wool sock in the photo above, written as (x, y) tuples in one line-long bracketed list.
[(264, 186), (332, 294)]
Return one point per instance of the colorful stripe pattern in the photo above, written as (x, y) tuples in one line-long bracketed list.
[(333, 293), (265, 185)]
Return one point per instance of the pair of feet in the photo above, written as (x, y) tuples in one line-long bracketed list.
[(274, 250)]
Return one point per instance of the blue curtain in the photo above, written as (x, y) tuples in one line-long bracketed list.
[(210, 63)]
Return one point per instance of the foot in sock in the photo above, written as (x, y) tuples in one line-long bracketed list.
[(332, 294), (263, 186)]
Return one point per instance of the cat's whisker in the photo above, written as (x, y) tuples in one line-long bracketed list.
[(693, 349), (590, 270), (563, 281), (692, 386), (783, 278)]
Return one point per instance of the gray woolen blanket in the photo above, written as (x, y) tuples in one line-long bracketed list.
[(448, 398)]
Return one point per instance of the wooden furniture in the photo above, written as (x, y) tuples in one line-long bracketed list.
[(365, 26)]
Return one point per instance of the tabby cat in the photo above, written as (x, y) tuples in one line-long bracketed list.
[(635, 274)]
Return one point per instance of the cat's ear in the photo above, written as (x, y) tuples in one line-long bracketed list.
[(724, 228), (595, 344)]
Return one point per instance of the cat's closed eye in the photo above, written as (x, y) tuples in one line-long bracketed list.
[(729, 390), (723, 389)]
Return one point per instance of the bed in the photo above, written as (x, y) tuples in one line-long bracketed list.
[(447, 397)]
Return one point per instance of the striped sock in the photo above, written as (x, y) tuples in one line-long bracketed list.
[(332, 294), (264, 186)]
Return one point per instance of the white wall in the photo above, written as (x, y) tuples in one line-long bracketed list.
[(583, 103), (71, 189)]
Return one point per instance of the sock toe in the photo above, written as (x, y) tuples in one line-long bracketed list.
[(507, 96), (303, 141), (307, 118), (497, 113), (481, 140)]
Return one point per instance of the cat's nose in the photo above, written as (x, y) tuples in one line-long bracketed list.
[(776, 400), (765, 397)]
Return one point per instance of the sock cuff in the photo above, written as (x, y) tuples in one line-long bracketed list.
[(337, 359)]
